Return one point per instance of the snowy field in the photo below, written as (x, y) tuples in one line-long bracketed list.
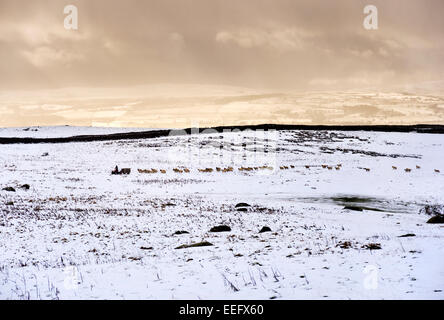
[(79, 232)]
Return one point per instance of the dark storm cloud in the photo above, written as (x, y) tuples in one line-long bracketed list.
[(276, 44)]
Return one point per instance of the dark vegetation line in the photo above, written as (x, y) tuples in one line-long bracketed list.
[(420, 128)]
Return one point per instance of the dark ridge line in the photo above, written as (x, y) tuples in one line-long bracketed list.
[(419, 128)]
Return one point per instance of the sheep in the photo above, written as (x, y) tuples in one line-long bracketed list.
[(292, 166), (418, 167), (437, 171), (394, 168), (338, 168), (324, 166), (147, 171), (308, 167), (162, 171), (367, 169), (407, 169), (186, 170), (330, 168)]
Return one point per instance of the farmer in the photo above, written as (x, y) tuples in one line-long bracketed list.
[(116, 170)]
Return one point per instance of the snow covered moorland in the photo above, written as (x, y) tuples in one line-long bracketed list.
[(340, 207)]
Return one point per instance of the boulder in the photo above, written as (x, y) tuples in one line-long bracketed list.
[(436, 219), (181, 232), (221, 228), (10, 189), (265, 229), (242, 205)]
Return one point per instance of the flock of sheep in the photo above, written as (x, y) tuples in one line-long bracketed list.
[(231, 169), (218, 169)]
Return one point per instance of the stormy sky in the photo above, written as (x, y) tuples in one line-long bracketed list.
[(272, 46)]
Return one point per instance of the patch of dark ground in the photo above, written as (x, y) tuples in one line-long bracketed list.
[(360, 203), (368, 153)]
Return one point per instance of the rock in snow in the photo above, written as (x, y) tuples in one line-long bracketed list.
[(242, 205), (265, 229), (181, 232), (436, 219), (221, 228)]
